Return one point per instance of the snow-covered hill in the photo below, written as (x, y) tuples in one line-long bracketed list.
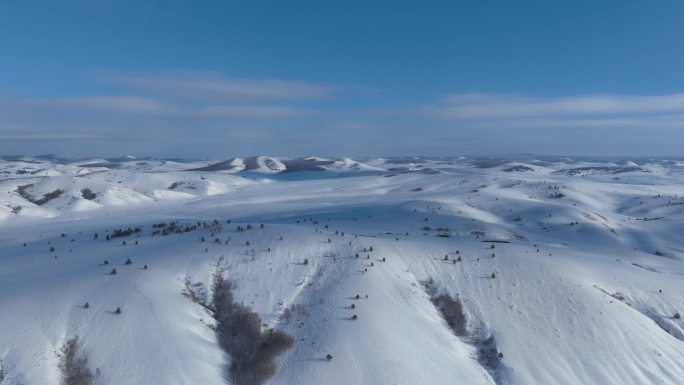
[(567, 271)]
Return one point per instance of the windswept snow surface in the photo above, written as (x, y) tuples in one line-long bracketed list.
[(587, 257)]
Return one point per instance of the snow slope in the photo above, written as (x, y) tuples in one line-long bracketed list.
[(589, 270)]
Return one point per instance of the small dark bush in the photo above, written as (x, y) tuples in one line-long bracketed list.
[(88, 194)]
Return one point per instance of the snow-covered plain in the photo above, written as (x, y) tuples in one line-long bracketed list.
[(588, 261)]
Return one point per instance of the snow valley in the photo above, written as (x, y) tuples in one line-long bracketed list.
[(415, 270)]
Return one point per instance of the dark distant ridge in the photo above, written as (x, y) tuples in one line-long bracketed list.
[(226, 165), (252, 164), (306, 164)]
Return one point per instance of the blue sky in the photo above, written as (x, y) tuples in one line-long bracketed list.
[(222, 78)]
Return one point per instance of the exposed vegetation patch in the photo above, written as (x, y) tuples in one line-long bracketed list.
[(489, 355), (48, 197), (253, 351), (74, 365), (451, 308), (293, 311), (453, 313), (196, 292), (119, 233), (23, 191), (88, 194), (172, 228)]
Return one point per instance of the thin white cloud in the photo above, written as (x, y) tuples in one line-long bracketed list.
[(47, 136), (284, 114), (646, 123), (126, 107), (86, 104), (253, 111), (116, 103), (493, 106), (126, 104), (210, 86)]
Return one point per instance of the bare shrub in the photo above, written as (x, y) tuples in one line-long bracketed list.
[(74, 365), (292, 311), (253, 352), (195, 292), (450, 307), (118, 233), (48, 197), (488, 354), (618, 296), (430, 287), (88, 194), (452, 311)]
